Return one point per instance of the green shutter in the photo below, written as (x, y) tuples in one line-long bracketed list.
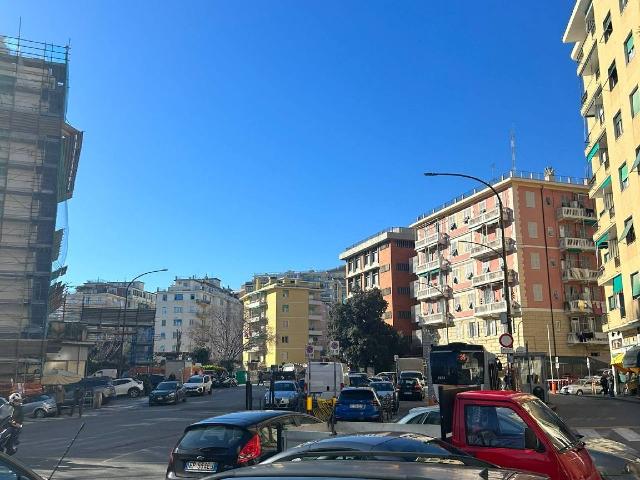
[(624, 172), (627, 226), (617, 284), (593, 151), (635, 284), (629, 45), (604, 239), (636, 164), (635, 102), (606, 183)]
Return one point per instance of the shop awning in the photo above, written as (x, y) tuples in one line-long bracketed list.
[(593, 151), (603, 241), (617, 284), (628, 226), (632, 357)]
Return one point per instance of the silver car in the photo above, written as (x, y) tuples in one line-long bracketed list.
[(286, 395), (39, 406), (582, 387)]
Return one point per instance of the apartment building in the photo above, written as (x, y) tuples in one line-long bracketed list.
[(552, 269), (383, 261), (603, 33), (39, 155), (178, 310), (287, 314)]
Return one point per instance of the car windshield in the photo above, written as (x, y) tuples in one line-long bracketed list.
[(284, 387), (196, 379), (410, 375), (555, 428), (167, 386), (356, 395), (382, 386), (212, 436)]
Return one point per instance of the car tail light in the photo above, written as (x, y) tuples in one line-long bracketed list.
[(416, 387), (251, 450)]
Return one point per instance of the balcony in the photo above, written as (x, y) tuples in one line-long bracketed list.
[(490, 217), (315, 301), (261, 302), (433, 239), (608, 271), (588, 338), (492, 248), (439, 263), (576, 214), (315, 333), (490, 309), (257, 319), (425, 292), (576, 274), (315, 316), (433, 319), (492, 277), (577, 244)]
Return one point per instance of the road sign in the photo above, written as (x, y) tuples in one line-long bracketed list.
[(506, 340), (506, 350), (334, 347), (309, 350)]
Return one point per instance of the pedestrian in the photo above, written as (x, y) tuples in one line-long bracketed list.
[(78, 400), (604, 383), (59, 398), (146, 385), (260, 379), (612, 392)]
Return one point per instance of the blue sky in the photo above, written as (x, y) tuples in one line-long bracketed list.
[(227, 138)]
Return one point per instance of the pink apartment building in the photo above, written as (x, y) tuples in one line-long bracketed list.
[(556, 302)]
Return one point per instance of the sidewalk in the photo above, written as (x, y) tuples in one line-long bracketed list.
[(621, 398)]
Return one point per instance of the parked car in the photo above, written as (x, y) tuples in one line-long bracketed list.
[(413, 374), (386, 390), (128, 386), (170, 392), (198, 385), (388, 376), (423, 446), (12, 469), (39, 406), (358, 404), (358, 380), (411, 388), (422, 415), (230, 441), (103, 385), (286, 395), (582, 386)]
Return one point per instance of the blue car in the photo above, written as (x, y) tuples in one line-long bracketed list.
[(358, 404)]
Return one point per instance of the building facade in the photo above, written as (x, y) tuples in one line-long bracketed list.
[(39, 155), (383, 261), (179, 312), (286, 314), (604, 34), (556, 303)]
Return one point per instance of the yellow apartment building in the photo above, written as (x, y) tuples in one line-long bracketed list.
[(604, 33)]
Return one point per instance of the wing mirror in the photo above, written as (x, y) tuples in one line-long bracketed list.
[(531, 441)]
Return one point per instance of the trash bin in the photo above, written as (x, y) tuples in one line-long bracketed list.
[(241, 377)]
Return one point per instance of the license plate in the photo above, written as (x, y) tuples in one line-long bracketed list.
[(356, 405), (200, 467)]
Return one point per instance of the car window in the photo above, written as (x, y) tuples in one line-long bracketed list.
[(557, 431), (119, 382), (417, 419), (497, 427), (211, 436), (7, 472), (356, 395), (432, 418), (306, 420), (268, 438), (284, 387), (206, 378), (195, 379), (167, 386)]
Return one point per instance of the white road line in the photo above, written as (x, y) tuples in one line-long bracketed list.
[(588, 432), (627, 434)]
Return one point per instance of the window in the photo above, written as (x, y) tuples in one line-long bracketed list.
[(617, 124), (164, 297), (164, 310), (285, 308), (550, 231), (357, 263), (163, 323), (177, 322), (629, 50), (635, 285), (537, 292), (470, 299), (192, 309), (490, 328), (192, 296), (285, 324), (191, 322), (623, 173), (163, 336), (473, 329), (284, 356), (530, 199), (177, 309), (177, 296), (403, 267), (634, 102), (454, 248), (374, 278), (613, 75), (284, 339), (406, 314), (628, 233), (494, 427), (175, 335), (403, 291), (607, 27), (399, 243), (535, 260), (533, 229), (285, 293)]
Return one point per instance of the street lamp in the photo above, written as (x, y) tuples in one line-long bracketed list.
[(124, 316), (504, 242)]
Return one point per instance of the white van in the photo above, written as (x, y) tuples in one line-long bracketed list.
[(326, 378)]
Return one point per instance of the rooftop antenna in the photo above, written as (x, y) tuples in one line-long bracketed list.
[(512, 141)]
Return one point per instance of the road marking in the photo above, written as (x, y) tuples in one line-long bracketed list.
[(588, 432), (628, 434)]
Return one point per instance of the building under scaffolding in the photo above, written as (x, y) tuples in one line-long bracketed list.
[(39, 154)]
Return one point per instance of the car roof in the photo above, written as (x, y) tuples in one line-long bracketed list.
[(357, 389), (496, 395), (432, 408), (243, 418), (383, 470), (369, 439)]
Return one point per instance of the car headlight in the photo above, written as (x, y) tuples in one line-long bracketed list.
[(171, 395)]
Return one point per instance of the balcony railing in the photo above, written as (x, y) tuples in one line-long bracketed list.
[(492, 277), (433, 319), (492, 248), (425, 292), (440, 263), (598, 338), (433, 239), (490, 309), (574, 274), (257, 319), (257, 303), (315, 333), (575, 243), (489, 217), (577, 214)]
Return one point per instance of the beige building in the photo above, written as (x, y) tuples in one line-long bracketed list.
[(604, 33)]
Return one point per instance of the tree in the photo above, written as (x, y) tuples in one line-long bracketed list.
[(365, 339), (201, 355)]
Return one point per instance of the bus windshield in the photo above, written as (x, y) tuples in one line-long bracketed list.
[(457, 367)]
